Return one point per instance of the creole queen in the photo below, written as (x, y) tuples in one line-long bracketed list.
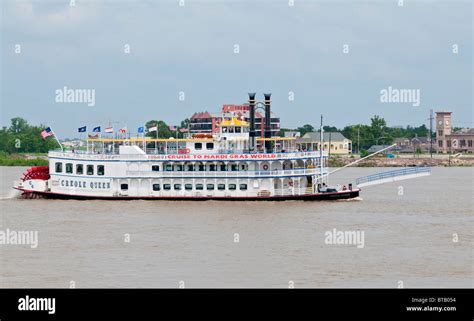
[(232, 164)]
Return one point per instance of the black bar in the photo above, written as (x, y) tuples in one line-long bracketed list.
[(240, 304)]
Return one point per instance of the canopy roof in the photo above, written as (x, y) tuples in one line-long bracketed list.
[(234, 122)]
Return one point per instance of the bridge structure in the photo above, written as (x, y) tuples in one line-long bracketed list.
[(393, 176)]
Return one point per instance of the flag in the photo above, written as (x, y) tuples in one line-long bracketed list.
[(172, 128), (82, 129), (141, 129), (153, 129), (47, 132), (96, 129), (123, 130), (109, 129), (94, 136), (183, 130)]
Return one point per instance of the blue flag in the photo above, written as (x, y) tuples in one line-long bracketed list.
[(96, 129), (82, 129), (141, 129)]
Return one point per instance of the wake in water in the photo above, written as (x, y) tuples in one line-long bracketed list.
[(14, 193)]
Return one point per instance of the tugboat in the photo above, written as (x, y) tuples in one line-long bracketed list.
[(233, 164)]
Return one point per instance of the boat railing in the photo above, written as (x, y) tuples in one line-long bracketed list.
[(225, 174), (392, 174), (194, 157)]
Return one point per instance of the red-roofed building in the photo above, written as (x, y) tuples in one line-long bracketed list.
[(204, 122)]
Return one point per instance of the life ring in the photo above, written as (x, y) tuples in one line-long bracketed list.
[(265, 167)]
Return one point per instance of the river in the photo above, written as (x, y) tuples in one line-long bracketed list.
[(417, 232)]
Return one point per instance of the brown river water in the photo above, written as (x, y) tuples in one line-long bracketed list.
[(423, 238)]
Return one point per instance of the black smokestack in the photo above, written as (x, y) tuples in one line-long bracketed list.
[(252, 121), (268, 132)]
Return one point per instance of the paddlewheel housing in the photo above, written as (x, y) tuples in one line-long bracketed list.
[(36, 172)]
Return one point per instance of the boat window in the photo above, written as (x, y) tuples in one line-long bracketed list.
[(167, 187), (156, 187), (90, 169), (221, 187), (223, 167), (69, 168), (238, 129), (190, 168), (177, 187), (197, 146), (199, 187), (123, 187), (243, 187), (155, 168), (169, 168), (209, 146), (233, 167), (188, 187), (212, 167), (100, 170), (59, 167), (79, 169), (242, 167), (179, 168), (232, 187), (210, 187), (201, 168)]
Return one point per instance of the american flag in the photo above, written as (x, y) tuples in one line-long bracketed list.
[(183, 130), (123, 130), (47, 132), (172, 128)]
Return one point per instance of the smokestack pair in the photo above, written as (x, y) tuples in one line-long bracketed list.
[(267, 129)]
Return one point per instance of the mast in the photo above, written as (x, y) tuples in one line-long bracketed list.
[(321, 139)]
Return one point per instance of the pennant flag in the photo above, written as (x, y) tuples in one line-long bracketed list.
[(82, 129), (172, 128), (123, 130), (109, 130), (47, 132), (153, 129), (141, 130), (96, 129)]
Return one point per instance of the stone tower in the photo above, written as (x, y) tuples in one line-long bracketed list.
[(443, 129)]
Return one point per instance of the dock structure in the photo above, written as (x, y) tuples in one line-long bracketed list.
[(393, 176)]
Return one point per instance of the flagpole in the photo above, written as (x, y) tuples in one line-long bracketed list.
[(54, 134)]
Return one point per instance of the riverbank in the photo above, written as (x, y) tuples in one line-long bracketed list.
[(405, 161), (33, 159)]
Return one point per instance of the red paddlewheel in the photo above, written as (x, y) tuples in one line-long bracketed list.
[(37, 172), (31, 195)]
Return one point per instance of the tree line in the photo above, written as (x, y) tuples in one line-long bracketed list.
[(22, 137), (377, 133)]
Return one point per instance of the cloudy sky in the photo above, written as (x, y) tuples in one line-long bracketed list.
[(217, 51)]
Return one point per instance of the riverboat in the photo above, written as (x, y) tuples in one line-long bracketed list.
[(232, 164)]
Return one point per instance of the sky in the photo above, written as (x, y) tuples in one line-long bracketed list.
[(333, 57)]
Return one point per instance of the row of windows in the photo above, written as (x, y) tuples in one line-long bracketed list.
[(462, 143), (198, 146), (79, 169), (189, 187), (200, 167)]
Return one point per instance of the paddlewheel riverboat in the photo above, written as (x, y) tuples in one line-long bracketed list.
[(233, 164)]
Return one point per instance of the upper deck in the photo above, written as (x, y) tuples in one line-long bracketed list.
[(187, 149)]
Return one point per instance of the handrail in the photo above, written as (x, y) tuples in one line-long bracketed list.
[(224, 174), (394, 173)]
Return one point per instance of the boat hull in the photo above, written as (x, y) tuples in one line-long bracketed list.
[(348, 194)]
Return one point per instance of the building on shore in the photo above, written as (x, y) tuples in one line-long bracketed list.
[(207, 123), (334, 142), (449, 141), (407, 145)]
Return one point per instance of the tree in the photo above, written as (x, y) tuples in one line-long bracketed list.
[(307, 128)]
